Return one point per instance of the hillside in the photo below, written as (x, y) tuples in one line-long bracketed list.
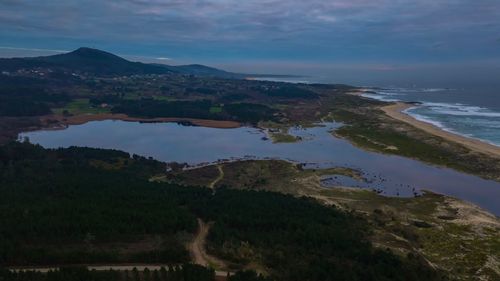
[(201, 70), (83, 60), (102, 63)]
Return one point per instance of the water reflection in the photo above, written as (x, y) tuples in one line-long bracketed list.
[(391, 175)]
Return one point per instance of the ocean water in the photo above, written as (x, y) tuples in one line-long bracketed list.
[(473, 113)]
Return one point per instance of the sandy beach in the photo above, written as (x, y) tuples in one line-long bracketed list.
[(84, 118), (396, 111)]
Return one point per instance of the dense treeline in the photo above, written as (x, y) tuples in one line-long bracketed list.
[(87, 198), (202, 90), (248, 275), (186, 272), (25, 101), (301, 240), (291, 92), (69, 205), (243, 112), (26, 97), (249, 112)]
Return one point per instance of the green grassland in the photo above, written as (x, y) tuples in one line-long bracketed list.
[(215, 109), (80, 106), (284, 138), (279, 132)]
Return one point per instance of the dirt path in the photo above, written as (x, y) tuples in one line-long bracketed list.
[(219, 178), (197, 249)]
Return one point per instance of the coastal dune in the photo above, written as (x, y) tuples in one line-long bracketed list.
[(396, 111)]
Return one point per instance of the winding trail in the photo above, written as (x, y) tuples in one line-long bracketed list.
[(219, 178)]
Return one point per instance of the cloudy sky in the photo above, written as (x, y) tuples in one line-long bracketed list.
[(356, 41)]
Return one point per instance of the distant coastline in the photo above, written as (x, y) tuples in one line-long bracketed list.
[(451, 110), (397, 111), (279, 78)]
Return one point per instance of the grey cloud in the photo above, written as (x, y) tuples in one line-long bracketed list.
[(367, 25)]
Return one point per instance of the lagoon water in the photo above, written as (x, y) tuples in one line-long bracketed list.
[(171, 142)]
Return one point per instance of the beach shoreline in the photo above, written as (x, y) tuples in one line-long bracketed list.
[(396, 111)]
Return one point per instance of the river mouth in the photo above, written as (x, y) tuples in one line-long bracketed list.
[(171, 142)]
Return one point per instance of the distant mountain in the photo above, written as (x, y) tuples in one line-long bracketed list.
[(101, 63), (207, 71), (202, 70), (85, 60)]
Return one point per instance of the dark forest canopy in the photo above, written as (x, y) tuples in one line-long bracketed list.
[(22, 96), (186, 272), (242, 112), (89, 198)]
